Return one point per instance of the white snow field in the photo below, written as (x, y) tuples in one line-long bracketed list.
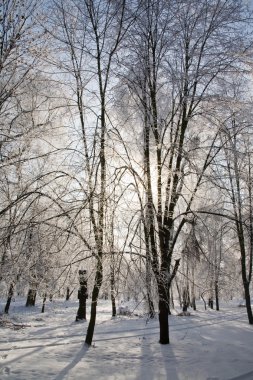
[(207, 345)]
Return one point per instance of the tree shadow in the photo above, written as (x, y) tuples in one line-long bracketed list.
[(19, 357), (245, 376), (78, 357), (170, 361), (158, 361)]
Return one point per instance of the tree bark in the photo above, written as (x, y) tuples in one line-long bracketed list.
[(82, 296), (164, 321), (68, 294), (31, 297), (10, 294), (185, 299), (179, 293), (210, 303), (44, 302), (94, 298), (114, 312), (248, 302), (217, 295)]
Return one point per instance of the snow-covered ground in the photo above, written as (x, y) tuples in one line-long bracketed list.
[(206, 345)]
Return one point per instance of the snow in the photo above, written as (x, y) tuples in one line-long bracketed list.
[(207, 345)]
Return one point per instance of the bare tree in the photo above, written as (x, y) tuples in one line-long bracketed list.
[(179, 54), (89, 34), (238, 160)]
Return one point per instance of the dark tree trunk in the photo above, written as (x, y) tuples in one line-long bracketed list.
[(163, 292), (246, 278), (10, 294), (217, 296), (210, 303), (31, 297), (185, 307), (151, 308), (248, 302), (44, 302), (246, 282), (68, 294), (82, 296), (193, 297), (94, 298), (164, 321), (185, 299), (114, 312), (193, 303)]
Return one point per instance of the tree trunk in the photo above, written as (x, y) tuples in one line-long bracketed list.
[(185, 299), (114, 312), (210, 303), (172, 298), (31, 297), (168, 301), (193, 303), (68, 294), (44, 302), (217, 295), (246, 282), (179, 293), (164, 321), (151, 308), (202, 296), (248, 302), (193, 297), (10, 294), (94, 298), (82, 296)]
